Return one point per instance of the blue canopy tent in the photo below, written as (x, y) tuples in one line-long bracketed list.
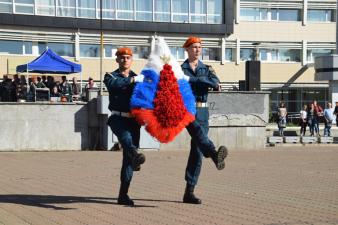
[(51, 63)]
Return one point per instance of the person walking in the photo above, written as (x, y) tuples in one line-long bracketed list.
[(120, 85), (201, 77)]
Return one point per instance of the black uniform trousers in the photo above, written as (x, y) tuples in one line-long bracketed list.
[(200, 145), (127, 132)]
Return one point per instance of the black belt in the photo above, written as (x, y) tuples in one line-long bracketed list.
[(123, 114)]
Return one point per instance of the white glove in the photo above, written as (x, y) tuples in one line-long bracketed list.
[(139, 78), (185, 77)]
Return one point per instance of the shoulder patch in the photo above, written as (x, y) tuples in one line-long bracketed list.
[(211, 69)]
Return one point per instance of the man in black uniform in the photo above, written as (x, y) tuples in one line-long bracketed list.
[(120, 85), (201, 77)]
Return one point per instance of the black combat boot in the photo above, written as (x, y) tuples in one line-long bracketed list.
[(136, 160), (123, 195), (219, 156), (189, 196)]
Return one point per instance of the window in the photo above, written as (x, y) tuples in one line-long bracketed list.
[(250, 14), (15, 47), (247, 54), (162, 10), (273, 14), (289, 55), (274, 55), (319, 15), (6, 6), (27, 48), (198, 9), (180, 11), (65, 8), (263, 54), (108, 9), (269, 55), (177, 53), (312, 53), (88, 50), (86, 8), (108, 51), (289, 15), (140, 52), (144, 10), (45, 7), (229, 54), (125, 9), (211, 54), (62, 49), (24, 6), (215, 11), (264, 14)]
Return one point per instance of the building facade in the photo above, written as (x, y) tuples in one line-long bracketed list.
[(287, 34)]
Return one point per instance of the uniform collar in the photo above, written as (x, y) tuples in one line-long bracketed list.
[(131, 73), (186, 65)]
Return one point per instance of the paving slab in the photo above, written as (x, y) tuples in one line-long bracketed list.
[(271, 186)]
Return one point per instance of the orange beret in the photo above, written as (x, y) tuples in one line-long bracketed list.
[(191, 40), (124, 51)]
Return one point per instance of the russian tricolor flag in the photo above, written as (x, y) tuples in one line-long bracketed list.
[(163, 102)]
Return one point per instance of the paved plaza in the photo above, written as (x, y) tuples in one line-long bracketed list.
[(272, 186)]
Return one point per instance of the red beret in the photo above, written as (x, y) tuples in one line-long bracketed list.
[(190, 41), (124, 51)]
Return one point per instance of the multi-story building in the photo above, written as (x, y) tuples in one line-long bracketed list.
[(288, 34)]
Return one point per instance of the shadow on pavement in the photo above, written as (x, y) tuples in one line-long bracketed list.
[(155, 200), (51, 201)]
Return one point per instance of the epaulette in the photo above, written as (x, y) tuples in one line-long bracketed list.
[(211, 69), (110, 75)]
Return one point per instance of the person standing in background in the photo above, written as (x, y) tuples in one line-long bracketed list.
[(311, 118), (335, 112), (66, 89), (91, 84), (282, 112), (76, 89), (328, 116), (318, 113), (303, 120)]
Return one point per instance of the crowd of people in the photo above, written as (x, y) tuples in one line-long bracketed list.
[(18, 89), (310, 116)]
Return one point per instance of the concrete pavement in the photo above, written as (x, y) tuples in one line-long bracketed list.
[(272, 186)]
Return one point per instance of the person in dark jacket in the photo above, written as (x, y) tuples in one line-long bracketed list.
[(335, 112), (66, 89), (201, 78), (120, 85)]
